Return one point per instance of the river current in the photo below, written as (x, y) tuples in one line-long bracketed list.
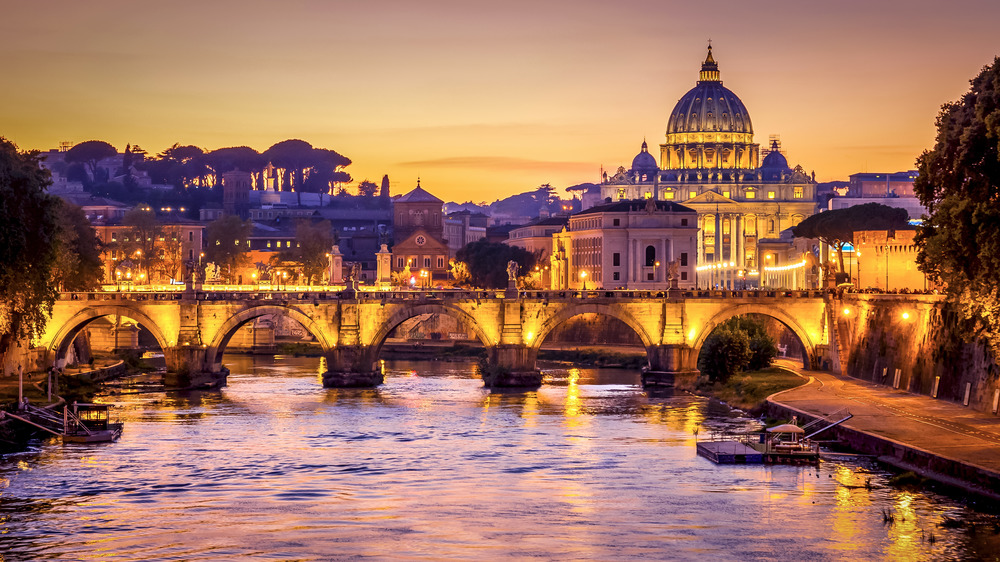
[(432, 466)]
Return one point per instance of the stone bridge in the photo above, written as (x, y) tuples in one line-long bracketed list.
[(193, 327)]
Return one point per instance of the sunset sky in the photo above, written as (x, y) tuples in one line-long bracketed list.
[(483, 100)]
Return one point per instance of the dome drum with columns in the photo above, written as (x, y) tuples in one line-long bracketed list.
[(710, 163), (709, 128)]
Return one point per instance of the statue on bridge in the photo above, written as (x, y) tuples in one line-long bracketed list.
[(673, 273), (512, 267), (353, 274)]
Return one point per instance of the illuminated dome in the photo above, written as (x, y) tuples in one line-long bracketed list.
[(709, 106), (775, 160), (644, 161), (709, 127)]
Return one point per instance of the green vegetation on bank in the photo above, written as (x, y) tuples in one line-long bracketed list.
[(749, 390), (595, 357), (738, 344)]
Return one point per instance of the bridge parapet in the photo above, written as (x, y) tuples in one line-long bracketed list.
[(351, 326), (444, 294)]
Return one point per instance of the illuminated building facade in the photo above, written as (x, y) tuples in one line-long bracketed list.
[(418, 233), (626, 245), (709, 162), (887, 260)]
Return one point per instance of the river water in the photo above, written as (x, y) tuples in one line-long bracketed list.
[(431, 465)]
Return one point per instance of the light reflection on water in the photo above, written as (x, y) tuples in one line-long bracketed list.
[(432, 465)]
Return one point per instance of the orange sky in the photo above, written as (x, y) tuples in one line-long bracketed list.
[(483, 100)]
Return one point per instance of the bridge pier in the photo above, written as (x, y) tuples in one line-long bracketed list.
[(187, 367), (351, 366), (511, 366), (669, 364)]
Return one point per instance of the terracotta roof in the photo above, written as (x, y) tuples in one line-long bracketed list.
[(418, 195)]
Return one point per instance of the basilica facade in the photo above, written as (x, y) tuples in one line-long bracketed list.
[(710, 163)]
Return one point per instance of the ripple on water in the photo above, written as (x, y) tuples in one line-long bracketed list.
[(432, 465)]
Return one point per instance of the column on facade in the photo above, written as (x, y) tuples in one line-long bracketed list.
[(718, 248), (718, 238), (730, 272), (740, 252), (702, 221), (631, 261)]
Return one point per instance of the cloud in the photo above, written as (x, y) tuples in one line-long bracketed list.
[(500, 163)]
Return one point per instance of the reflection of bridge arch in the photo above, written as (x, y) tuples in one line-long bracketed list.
[(215, 350), (808, 345), (72, 328), (596, 308), (404, 313)]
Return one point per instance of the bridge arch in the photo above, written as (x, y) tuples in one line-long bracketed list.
[(590, 308), (72, 328), (215, 350), (404, 313), (808, 345)]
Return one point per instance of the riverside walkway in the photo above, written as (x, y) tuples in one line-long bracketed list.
[(941, 440)]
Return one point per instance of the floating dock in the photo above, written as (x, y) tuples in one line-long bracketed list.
[(729, 452)]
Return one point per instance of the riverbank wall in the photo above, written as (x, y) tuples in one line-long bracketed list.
[(97, 375), (951, 472), (915, 343)]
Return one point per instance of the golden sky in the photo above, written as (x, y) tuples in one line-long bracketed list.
[(486, 99)]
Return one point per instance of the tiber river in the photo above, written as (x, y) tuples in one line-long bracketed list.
[(433, 466)]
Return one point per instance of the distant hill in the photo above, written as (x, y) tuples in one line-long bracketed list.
[(526, 204)]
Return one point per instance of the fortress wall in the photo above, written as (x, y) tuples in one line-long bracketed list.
[(924, 339)]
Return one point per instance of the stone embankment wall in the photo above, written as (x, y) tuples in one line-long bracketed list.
[(915, 343), (904, 457)]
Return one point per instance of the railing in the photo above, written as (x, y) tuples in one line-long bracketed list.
[(305, 293)]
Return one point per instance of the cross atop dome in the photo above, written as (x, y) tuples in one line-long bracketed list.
[(709, 68)]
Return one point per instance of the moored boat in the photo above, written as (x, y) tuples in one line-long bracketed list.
[(89, 423)]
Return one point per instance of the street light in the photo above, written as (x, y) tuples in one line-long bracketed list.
[(583, 277), (284, 277)]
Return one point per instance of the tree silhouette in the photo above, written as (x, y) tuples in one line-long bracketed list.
[(383, 190), (313, 241), (78, 265), (836, 228), (293, 156), (90, 153), (226, 244), (28, 226), (959, 184), (367, 188), (243, 158), (487, 262)]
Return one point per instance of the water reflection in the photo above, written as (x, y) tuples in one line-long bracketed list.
[(434, 465)]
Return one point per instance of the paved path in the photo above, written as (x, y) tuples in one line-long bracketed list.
[(940, 427)]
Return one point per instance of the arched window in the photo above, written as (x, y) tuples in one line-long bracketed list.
[(650, 256)]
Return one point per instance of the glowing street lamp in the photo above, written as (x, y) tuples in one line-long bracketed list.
[(583, 277)]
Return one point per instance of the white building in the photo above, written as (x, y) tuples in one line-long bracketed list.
[(627, 245)]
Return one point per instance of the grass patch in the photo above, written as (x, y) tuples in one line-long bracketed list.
[(300, 349), (595, 357), (749, 390), (908, 479)]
